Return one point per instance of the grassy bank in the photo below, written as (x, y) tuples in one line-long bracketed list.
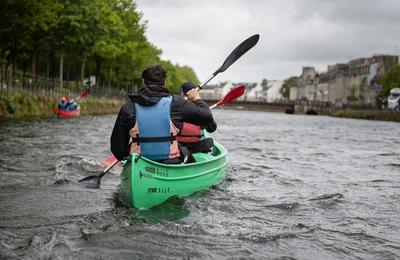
[(18, 105), (100, 106), (368, 114)]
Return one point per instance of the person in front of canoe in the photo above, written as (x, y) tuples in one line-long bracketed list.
[(191, 136), (63, 104), (152, 119)]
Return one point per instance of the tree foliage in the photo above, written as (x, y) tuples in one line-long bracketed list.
[(287, 83), (391, 80), (178, 75), (105, 38)]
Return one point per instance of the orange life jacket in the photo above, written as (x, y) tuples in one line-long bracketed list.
[(190, 133)]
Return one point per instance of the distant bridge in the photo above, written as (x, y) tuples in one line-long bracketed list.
[(257, 105), (296, 107), (310, 107)]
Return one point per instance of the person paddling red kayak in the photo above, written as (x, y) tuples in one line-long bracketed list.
[(69, 108)]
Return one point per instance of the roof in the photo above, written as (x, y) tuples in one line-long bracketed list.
[(395, 91)]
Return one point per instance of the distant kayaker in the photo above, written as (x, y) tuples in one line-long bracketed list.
[(63, 104), (191, 136), (153, 117), (72, 105)]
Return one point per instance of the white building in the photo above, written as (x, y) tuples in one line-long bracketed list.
[(209, 92), (274, 91), (216, 92), (266, 91), (255, 93), (226, 88)]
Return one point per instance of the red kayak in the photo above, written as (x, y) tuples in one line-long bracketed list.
[(63, 113)]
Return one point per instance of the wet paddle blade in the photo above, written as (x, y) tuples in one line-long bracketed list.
[(93, 184), (232, 95), (88, 178), (84, 94), (92, 181)]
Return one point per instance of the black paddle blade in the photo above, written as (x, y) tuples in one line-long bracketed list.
[(95, 184), (88, 178), (92, 181), (238, 52)]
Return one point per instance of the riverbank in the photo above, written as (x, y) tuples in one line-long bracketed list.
[(17, 105), (368, 114)]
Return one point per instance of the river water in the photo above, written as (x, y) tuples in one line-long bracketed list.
[(298, 187)]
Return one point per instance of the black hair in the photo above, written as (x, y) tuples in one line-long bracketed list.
[(154, 75)]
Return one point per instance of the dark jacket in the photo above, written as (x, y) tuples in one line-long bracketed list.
[(196, 112), (211, 127)]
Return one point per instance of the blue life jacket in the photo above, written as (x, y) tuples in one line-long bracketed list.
[(62, 105), (72, 107), (154, 134)]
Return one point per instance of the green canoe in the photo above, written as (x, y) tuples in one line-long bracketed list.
[(145, 183)]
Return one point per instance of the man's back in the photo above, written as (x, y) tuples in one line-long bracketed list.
[(196, 112)]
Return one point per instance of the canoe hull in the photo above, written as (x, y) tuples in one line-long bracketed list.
[(62, 113), (145, 183)]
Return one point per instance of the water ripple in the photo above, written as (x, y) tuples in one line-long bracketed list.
[(298, 187)]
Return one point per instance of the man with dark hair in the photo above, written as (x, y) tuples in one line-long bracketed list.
[(153, 117), (154, 75)]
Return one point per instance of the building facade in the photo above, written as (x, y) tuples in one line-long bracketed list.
[(342, 84), (266, 91)]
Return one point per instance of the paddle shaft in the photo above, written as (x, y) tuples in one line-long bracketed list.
[(205, 82), (108, 169), (213, 106), (84, 94)]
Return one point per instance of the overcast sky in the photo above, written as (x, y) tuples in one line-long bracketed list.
[(293, 33)]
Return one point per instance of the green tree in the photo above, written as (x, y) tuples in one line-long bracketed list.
[(174, 78), (72, 39), (137, 51), (287, 83), (70, 36), (178, 75), (390, 80), (188, 74), (25, 27)]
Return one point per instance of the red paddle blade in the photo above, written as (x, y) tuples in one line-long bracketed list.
[(232, 95), (84, 94)]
